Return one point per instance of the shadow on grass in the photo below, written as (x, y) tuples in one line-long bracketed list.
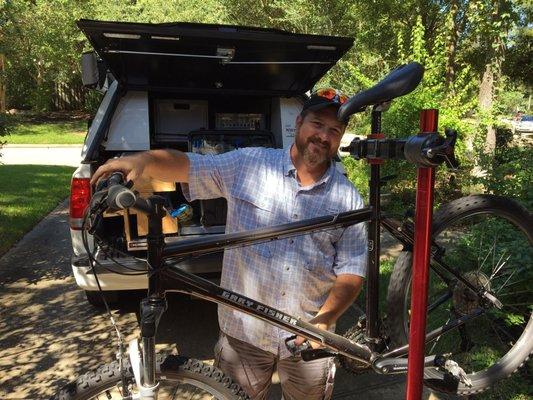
[(48, 128), (29, 192)]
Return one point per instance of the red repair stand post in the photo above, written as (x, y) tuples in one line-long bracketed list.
[(421, 254)]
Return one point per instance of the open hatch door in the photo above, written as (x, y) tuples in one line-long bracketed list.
[(203, 58)]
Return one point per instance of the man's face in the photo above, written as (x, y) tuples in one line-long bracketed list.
[(318, 135)]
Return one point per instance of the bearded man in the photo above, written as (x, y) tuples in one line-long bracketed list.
[(315, 277)]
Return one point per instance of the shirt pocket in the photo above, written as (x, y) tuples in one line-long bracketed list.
[(319, 263), (318, 248), (325, 240), (254, 212)]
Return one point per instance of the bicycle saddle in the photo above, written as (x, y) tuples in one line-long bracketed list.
[(400, 81)]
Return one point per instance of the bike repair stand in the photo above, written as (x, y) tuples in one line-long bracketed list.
[(421, 255)]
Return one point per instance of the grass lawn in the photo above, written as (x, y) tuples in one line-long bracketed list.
[(53, 132), (27, 194)]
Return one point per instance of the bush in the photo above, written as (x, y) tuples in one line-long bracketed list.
[(6, 125), (508, 172)]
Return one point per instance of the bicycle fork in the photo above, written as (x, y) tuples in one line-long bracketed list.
[(144, 363)]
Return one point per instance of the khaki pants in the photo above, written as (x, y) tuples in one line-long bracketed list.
[(252, 369)]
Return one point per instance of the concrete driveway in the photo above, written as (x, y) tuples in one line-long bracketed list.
[(41, 154), (49, 334)]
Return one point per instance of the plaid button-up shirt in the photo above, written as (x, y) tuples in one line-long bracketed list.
[(295, 274)]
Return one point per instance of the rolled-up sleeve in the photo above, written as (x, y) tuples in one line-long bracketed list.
[(210, 176), (352, 253)]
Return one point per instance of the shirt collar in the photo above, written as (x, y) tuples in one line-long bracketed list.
[(290, 170), (288, 166)]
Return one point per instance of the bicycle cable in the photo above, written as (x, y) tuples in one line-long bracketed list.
[(135, 270), (120, 353)]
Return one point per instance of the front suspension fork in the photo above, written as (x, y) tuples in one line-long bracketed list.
[(152, 307), (144, 363)]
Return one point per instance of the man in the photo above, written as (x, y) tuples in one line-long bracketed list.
[(315, 277)]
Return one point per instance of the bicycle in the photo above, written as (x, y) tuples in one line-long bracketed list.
[(468, 275)]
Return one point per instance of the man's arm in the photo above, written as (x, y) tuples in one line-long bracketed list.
[(164, 165), (343, 293)]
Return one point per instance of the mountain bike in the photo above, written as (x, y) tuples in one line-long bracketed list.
[(479, 328)]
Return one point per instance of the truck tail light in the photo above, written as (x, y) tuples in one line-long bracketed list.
[(80, 195)]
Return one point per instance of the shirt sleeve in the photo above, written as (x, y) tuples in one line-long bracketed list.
[(210, 176), (352, 247)]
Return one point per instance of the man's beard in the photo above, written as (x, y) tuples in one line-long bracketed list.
[(313, 158)]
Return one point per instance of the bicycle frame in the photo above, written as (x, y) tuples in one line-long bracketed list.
[(164, 278), (170, 278)]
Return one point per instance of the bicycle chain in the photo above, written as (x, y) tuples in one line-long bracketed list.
[(355, 334)]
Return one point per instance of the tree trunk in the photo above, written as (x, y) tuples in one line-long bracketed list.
[(2, 85), (486, 90), (454, 31)]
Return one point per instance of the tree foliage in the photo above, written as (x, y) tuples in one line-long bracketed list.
[(477, 53)]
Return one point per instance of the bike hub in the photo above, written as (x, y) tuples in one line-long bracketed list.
[(464, 299)]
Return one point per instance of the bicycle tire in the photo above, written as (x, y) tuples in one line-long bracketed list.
[(456, 215), (179, 377)]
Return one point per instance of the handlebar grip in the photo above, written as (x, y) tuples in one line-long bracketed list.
[(120, 197), (116, 178)]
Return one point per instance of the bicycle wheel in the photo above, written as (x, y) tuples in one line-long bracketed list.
[(487, 240), (179, 378)]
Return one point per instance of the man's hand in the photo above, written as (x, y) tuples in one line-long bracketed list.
[(344, 291), (315, 345), (131, 166), (164, 165)]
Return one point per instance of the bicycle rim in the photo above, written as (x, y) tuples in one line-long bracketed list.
[(490, 251), (169, 389), (487, 240), (179, 378)]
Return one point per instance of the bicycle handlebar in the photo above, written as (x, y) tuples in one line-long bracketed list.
[(115, 194)]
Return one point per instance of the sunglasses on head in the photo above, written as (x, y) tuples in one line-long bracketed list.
[(332, 95)]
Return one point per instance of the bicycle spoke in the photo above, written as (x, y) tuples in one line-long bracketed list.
[(486, 251), (437, 340), (514, 293), (498, 268), (174, 393), (518, 311), (510, 276), (516, 283), (491, 250), (480, 246), (497, 334), (504, 274)]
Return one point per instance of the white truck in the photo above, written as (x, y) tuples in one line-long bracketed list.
[(193, 87)]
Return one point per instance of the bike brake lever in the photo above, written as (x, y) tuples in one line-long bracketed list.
[(306, 351), (293, 348)]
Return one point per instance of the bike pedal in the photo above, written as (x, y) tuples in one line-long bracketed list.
[(457, 372)]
